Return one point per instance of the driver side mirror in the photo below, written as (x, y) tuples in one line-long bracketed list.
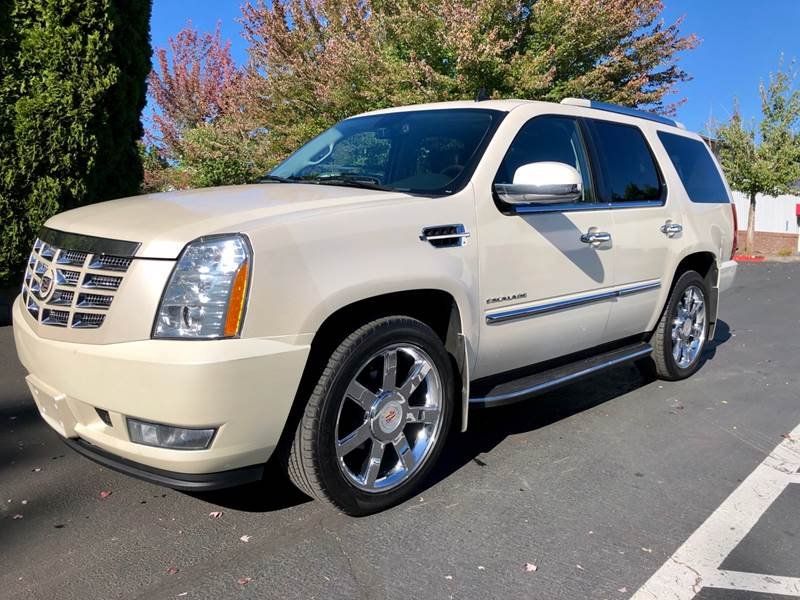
[(542, 183)]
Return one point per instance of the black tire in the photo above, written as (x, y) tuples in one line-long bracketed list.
[(313, 465), (666, 366)]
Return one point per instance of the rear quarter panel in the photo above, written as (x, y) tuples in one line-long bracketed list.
[(707, 227)]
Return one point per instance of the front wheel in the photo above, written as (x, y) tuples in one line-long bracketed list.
[(682, 332), (377, 418)]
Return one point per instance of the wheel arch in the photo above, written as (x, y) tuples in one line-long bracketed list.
[(436, 307), (706, 264)]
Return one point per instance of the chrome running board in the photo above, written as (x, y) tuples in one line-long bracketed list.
[(508, 392)]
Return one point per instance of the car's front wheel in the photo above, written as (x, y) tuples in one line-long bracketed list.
[(377, 418)]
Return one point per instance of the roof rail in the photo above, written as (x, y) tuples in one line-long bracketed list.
[(622, 110)]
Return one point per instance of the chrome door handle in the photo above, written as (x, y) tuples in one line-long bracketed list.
[(671, 229), (596, 237)]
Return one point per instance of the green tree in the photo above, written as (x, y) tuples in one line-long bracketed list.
[(71, 92), (764, 158), (323, 61)]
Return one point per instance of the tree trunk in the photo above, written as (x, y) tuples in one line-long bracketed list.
[(751, 226)]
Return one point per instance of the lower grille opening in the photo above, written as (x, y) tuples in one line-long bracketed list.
[(104, 416)]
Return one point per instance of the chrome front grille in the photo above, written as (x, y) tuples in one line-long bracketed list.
[(71, 288)]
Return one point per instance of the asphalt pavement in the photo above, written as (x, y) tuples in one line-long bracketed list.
[(582, 493)]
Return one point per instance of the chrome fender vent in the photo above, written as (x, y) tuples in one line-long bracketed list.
[(445, 236)]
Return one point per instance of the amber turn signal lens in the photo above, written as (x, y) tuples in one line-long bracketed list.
[(233, 320)]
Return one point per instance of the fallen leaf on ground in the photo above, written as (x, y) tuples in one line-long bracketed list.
[(245, 538), (105, 494), (787, 436), (448, 576), (216, 514), (530, 567), (481, 568), (579, 567), (17, 517), (36, 470), (623, 590), (647, 549), (172, 570), (244, 580)]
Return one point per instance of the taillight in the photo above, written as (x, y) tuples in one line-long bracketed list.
[(735, 245)]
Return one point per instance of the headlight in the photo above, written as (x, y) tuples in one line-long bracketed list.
[(206, 293)]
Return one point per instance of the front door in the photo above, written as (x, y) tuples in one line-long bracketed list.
[(543, 287)]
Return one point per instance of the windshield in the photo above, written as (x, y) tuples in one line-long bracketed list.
[(424, 151)]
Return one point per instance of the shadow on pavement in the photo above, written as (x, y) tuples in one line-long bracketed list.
[(274, 492), (493, 425)]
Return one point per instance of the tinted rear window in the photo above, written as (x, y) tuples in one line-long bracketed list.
[(695, 167), (627, 170)]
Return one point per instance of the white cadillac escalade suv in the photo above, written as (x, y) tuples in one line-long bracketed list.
[(346, 313)]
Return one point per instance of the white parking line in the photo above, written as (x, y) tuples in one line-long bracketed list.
[(696, 563)]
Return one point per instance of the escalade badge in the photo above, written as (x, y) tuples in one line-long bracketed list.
[(46, 286), (518, 296)]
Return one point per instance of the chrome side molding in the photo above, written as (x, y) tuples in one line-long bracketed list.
[(532, 311)]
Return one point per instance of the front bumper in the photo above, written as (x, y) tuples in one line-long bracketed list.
[(187, 482), (244, 388)]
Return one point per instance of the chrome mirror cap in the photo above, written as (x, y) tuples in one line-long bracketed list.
[(542, 183)]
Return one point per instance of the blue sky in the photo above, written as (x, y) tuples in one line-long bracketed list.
[(741, 42)]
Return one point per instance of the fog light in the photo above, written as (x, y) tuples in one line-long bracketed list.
[(165, 436)]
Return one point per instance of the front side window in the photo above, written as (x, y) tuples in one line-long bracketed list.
[(425, 151), (548, 139), (627, 171), (695, 167)]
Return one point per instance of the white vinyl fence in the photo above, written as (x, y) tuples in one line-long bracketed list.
[(776, 215)]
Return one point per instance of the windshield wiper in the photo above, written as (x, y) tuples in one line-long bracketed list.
[(334, 179), (343, 179), (268, 178)]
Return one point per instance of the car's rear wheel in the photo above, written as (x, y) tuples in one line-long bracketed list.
[(377, 418), (682, 332)]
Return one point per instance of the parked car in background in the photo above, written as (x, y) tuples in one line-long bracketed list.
[(398, 270)]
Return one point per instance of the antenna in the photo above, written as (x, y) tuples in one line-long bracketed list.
[(481, 95)]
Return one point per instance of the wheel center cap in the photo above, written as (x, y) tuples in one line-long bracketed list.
[(390, 416)]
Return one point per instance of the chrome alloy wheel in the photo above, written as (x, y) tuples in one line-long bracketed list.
[(689, 327), (390, 418)]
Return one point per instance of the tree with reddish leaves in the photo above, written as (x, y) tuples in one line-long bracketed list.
[(195, 82)]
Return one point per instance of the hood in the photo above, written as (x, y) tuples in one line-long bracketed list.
[(164, 223)]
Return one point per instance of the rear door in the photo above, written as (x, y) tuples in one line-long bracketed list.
[(631, 183)]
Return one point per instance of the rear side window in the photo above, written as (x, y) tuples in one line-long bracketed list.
[(627, 170), (697, 170)]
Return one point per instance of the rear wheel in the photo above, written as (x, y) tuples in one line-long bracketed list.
[(682, 332), (377, 418)]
